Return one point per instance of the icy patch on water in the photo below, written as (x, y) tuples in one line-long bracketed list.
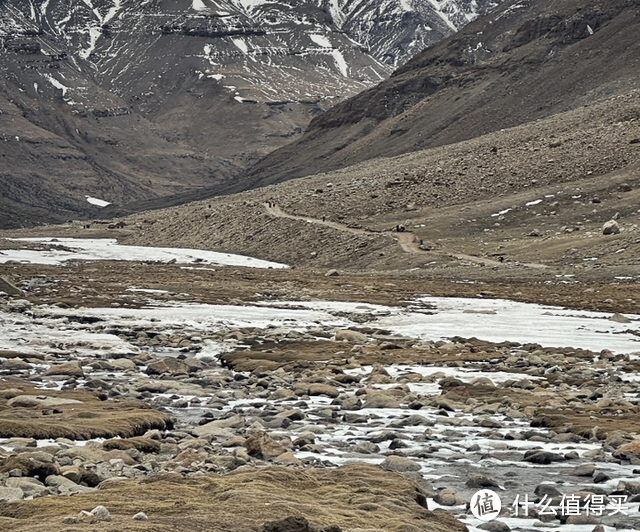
[(499, 320)]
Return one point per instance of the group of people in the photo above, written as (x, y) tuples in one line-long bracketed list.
[(400, 228), (271, 203)]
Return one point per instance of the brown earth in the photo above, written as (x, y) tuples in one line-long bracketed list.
[(354, 497), (389, 350), (99, 284), (450, 198)]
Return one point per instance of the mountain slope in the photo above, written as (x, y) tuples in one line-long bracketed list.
[(522, 62), (152, 98)]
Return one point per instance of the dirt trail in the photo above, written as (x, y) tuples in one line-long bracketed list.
[(407, 241), (279, 213)]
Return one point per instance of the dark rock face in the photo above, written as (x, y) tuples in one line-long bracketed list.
[(130, 101), (521, 62)]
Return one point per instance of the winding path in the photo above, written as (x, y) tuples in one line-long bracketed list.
[(406, 240), (277, 212)]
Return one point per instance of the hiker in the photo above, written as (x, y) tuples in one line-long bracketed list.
[(324, 218)]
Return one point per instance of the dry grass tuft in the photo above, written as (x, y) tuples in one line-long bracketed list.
[(357, 496)]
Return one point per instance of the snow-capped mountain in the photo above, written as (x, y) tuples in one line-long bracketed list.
[(222, 82)]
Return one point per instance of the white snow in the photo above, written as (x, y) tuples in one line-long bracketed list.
[(341, 63), (109, 249), (241, 45), (250, 5), (493, 320), (56, 84), (94, 35), (97, 202), (532, 203), (321, 40), (198, 5)]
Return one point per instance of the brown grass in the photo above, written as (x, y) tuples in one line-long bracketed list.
[(354, 496), (589, 422), (91, 419)]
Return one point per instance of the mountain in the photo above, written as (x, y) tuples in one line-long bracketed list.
[(524, 61), (127, 100)]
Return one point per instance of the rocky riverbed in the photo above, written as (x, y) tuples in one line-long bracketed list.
[(317, 385), (133, 389)]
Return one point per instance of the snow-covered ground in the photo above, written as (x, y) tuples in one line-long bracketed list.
[(109, 249)]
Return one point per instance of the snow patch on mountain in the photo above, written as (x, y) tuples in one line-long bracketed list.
[(320, 40)]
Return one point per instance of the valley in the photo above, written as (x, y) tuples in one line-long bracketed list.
[(215, 318)]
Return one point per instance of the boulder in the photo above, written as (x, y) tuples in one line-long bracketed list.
[(542, 457), (168, 365), (495, 526), (610, 228), (352, 402), (448, 497), (346, 335), (124, 364), (11, 494), (220, 427), (15, 364), (481, 481), (626, 451), (100, 514), (30, 401), (30, 486), (380, 400), (400, 464), (65, 486), (365, 447), (547, 489), (584, 470), (144, 445), (323, 389), (71, 369), (287, 459), (31, 465), (261, 445)]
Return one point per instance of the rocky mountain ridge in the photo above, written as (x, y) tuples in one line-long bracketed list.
[(163, 97), (522, 62)]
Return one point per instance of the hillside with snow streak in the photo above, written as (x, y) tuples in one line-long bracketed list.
[(154, 98)]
